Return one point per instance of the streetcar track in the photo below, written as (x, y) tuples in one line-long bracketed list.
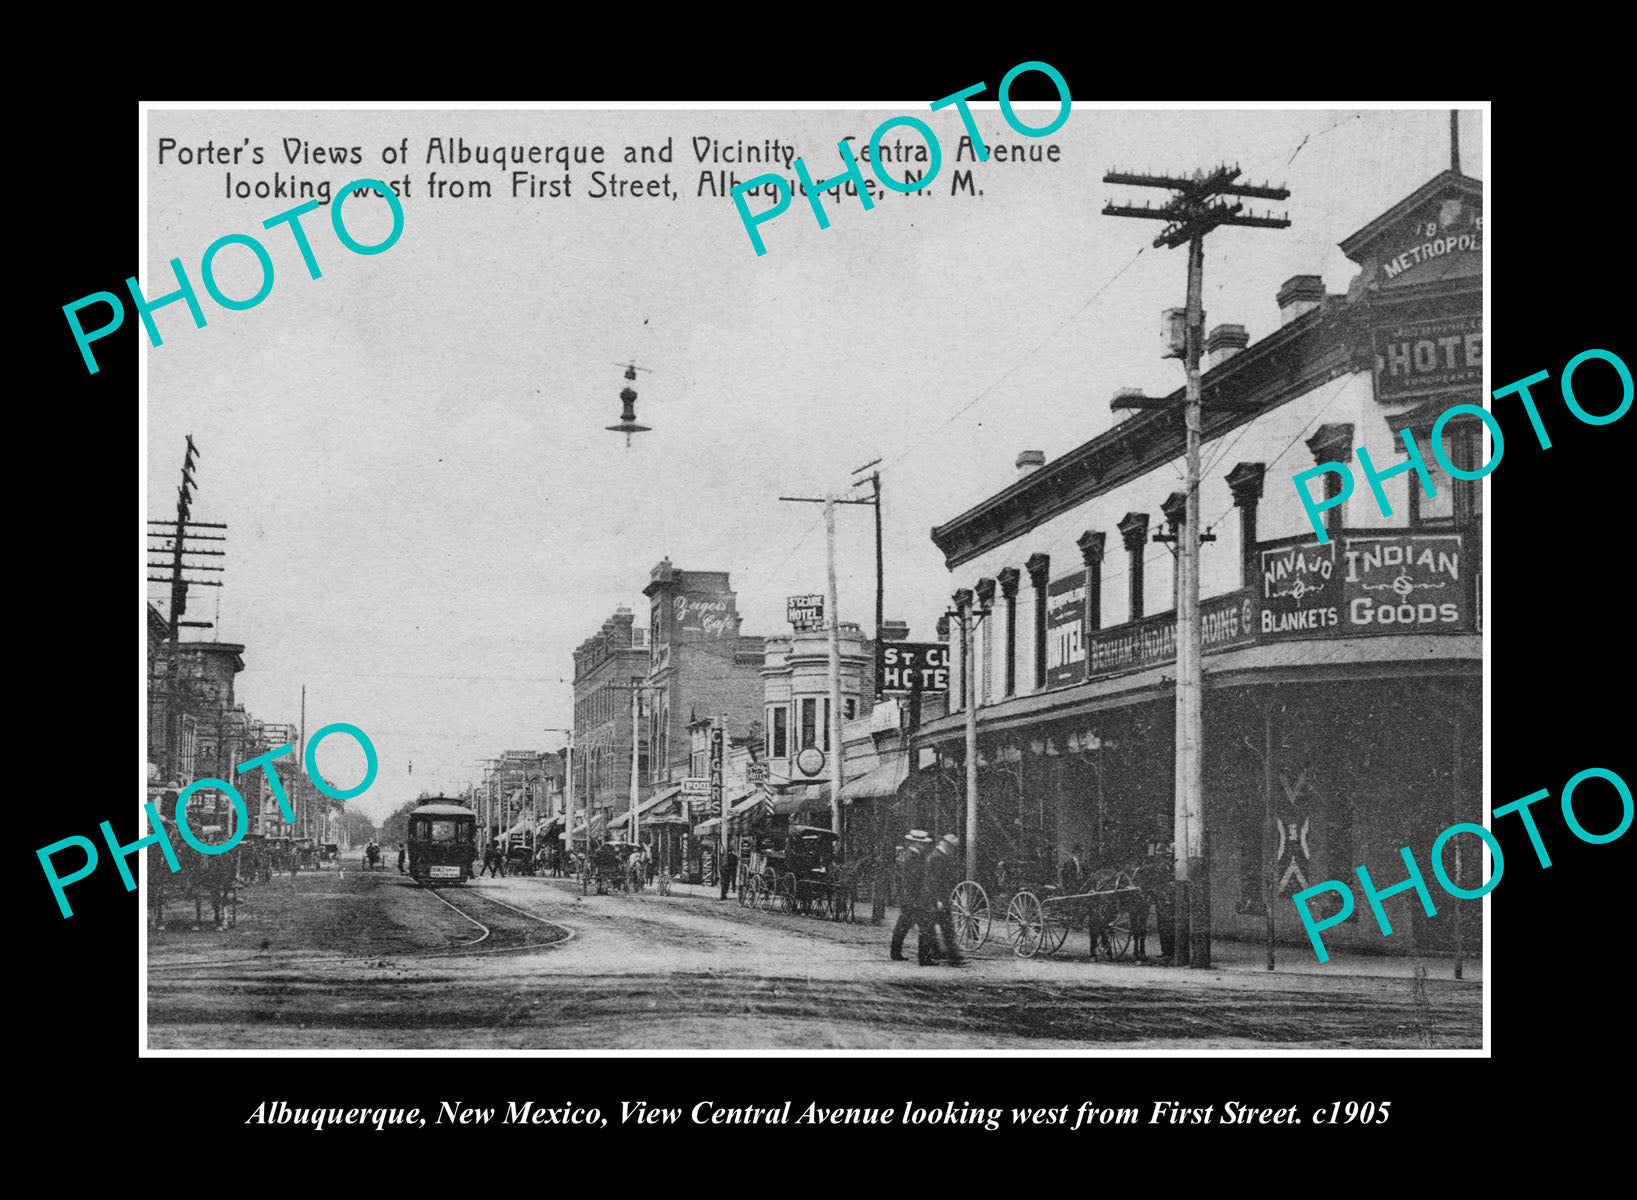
[(462, 950)]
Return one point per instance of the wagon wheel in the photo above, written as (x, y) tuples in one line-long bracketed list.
[(820, 907), (1025, 924), (751, 895), (1118, 932), (785, 892), (969, 906), (1054, 928), (745, 893)]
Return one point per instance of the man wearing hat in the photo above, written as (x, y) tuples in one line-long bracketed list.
[(916, 843), (943, 872)]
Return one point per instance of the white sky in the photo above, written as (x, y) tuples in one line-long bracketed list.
[(426, 513)]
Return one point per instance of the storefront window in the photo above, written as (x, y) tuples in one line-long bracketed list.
[(780, 733), (809, 723)]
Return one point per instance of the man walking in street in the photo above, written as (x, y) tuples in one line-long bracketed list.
[(910, 914), (401, 852), (943, 872)]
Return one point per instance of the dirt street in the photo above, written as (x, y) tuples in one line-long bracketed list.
[(354, 959)]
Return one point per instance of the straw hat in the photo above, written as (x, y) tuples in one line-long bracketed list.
[(950, 842), (918, 835)]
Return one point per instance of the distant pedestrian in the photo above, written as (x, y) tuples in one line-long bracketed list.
[(402, 851), (491, 861), (910, 914), (648, 864), (943, 872), (730, 869)]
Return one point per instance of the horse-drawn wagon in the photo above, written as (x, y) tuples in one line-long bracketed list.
[(1112, 904)]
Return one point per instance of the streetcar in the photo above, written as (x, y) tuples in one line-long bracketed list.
[(442, 842)]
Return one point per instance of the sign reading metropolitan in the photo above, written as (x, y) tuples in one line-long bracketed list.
[(805, 612), (908, 667)]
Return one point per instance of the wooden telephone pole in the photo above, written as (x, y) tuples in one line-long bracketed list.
[(1196, 207), (177, 534), (833, 621)]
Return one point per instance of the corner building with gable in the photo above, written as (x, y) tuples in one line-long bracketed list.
[(1342, 681)]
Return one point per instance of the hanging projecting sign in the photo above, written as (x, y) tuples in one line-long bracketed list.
[(805, 612), (716, 772), (1066, 630), (810, 761), (910, 667)]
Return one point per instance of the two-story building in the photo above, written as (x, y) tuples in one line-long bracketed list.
[(1342, 680)]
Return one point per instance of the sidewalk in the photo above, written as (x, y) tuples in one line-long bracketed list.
[(1227, 954)]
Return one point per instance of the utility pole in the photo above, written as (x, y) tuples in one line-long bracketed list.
[(968, 617), (1195, 208), (176, 533), (880, 580), (833, 618), (636, 716)]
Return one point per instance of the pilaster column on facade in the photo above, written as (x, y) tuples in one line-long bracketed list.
[(957, 650), (1008, 578), (983, 642), (1039, 567), (1333, 444), (1175, 512), (1245, 481), (1133, 529), (1091, 553)]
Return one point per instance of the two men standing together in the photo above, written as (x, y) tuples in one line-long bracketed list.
[(928, 875)]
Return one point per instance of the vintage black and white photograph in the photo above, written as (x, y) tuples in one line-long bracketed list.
[(1008, 580)]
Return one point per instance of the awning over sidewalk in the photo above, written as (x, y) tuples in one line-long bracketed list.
[(662, 808), (881, 783), (599, 828)]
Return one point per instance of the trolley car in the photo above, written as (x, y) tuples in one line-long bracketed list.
[(442, 842)]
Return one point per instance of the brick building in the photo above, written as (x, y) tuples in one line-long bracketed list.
[(605, 665), (700, 665)]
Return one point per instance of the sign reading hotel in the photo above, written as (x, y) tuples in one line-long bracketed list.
[(704, 614), (805, 612), (1066, 630), (1384, 583), (905, 668), (1224, 621), (1419, 358)]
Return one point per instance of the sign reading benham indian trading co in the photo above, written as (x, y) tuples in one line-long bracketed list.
[(1374, 583), (1224, 621)]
